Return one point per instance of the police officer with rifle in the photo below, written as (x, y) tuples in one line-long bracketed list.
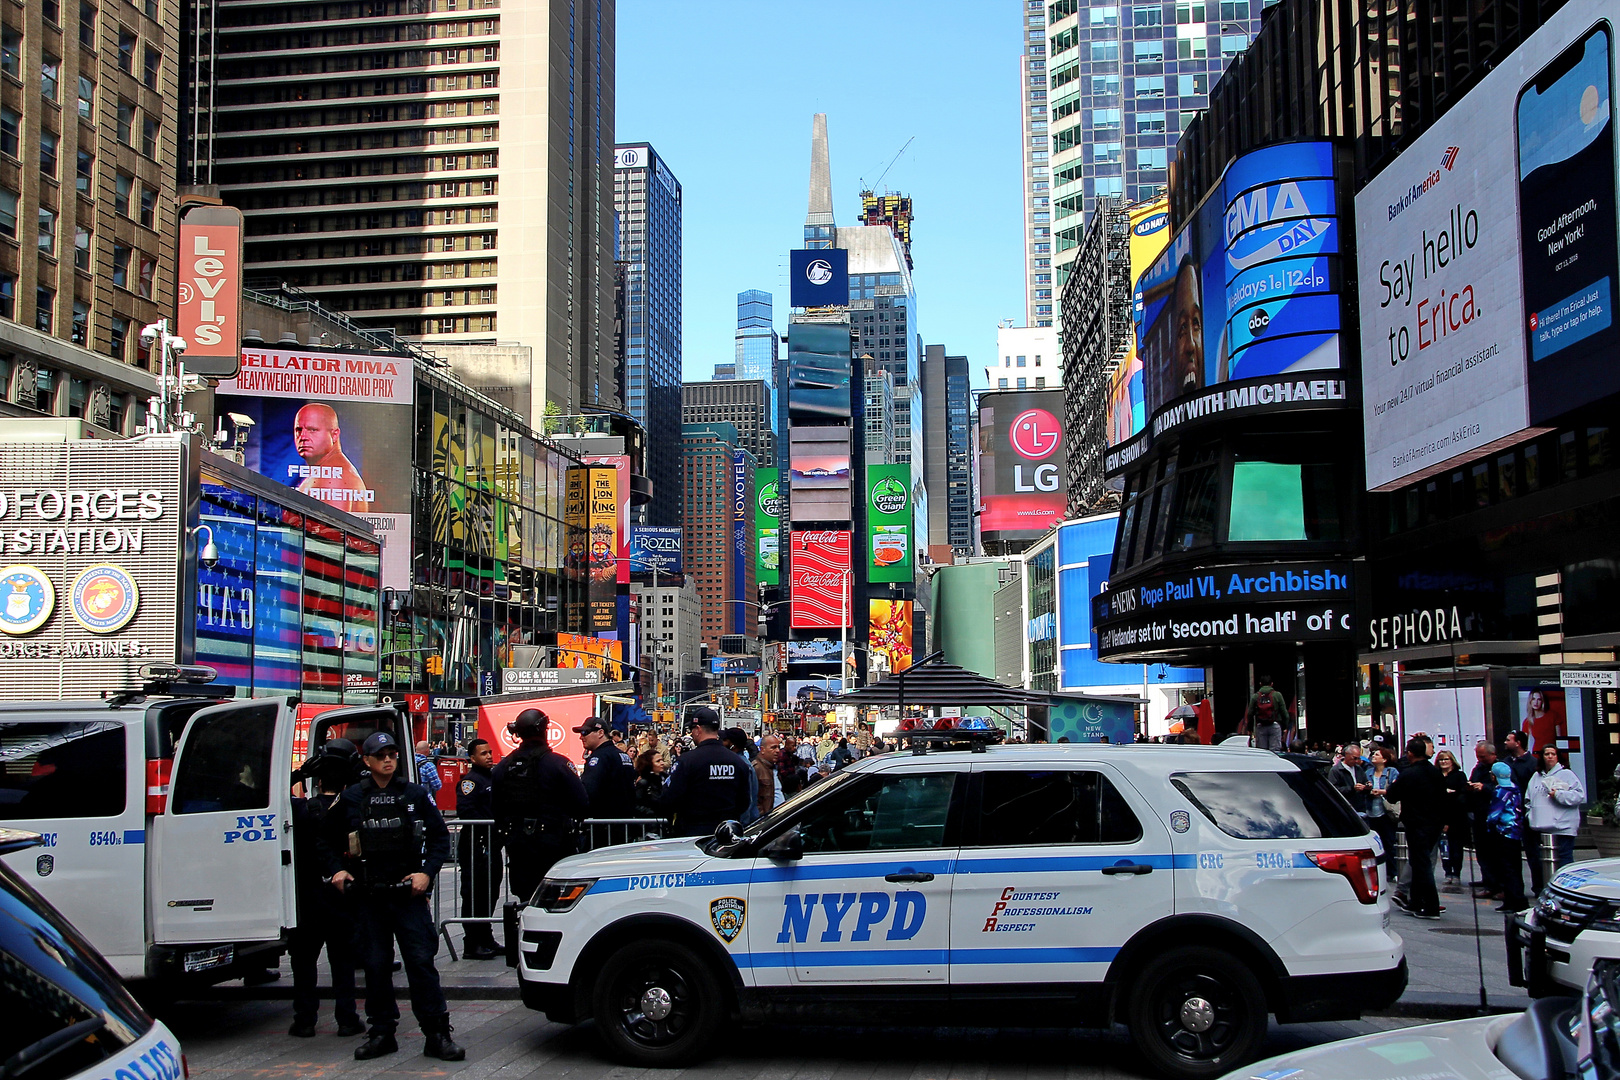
[(385, 840), (539, 801)]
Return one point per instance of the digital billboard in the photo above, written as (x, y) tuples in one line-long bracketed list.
[(815, 651), (1246, 293), (767, 537), (888, 635), (1021, 463), (1127, 405), (339, 427), (819, 370), (820, 277), (888, 523), (819, 578), (1488, 259), (585, 651), (742, 517), (803, 691), (819, 474), (655, 548)]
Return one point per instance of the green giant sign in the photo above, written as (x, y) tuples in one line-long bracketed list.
[(768, 563), (888, 523)]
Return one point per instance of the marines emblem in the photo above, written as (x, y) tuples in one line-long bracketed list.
[(728, 915)]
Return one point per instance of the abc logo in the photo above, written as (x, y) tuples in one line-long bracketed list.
[(1259, 321)]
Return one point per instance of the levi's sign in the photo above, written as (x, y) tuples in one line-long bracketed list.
[(210, 287)]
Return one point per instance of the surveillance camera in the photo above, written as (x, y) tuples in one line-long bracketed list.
[(208, 556), (149, 334), (177, 345)]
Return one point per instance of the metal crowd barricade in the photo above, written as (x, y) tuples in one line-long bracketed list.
[(595, 833)]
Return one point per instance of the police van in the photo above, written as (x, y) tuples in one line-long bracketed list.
[(165, 818), (1184, 891)]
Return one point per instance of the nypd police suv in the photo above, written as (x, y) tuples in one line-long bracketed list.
[(1187, 892)]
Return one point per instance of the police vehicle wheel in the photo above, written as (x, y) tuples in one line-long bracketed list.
[(1197, 1012), (658, 1004)]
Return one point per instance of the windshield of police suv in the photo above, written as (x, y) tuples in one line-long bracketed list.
[(804, 795), (1296, 805), (61, 769), (50, 980)]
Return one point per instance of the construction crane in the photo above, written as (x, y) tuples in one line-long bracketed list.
[(873, 187)]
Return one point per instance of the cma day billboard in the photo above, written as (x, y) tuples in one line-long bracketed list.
[(339, 428), (1488, 259)]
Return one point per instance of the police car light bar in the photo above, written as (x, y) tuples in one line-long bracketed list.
[(974, 739), (173, 673)]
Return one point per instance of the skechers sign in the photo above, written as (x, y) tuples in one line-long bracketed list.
[(1218, 606), (1247, 294)]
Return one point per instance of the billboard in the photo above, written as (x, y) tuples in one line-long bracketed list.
[(209, 304), (767, 537), (1127, 405), (820, 277), (1488, 258), (741, 518), (1245, 293), (819, 578), (819, 370), (819, 474), (1021, 463), (803, 691), (565, 713), (815, 651), (655, 549), (584, 651), (888, 636), (339, 427), (888, 523)]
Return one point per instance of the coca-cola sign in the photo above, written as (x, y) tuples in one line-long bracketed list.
[(819, 581)]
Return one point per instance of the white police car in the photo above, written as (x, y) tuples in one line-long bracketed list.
[(1575, 922), (66, 1015), (1186, 891)]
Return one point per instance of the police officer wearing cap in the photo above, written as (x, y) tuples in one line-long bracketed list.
[(610, 780), (708, 783), (384, 839), (324, 921), (538, 803), (478, 851)]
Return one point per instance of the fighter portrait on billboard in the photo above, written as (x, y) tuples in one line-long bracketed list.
[(326, 474)]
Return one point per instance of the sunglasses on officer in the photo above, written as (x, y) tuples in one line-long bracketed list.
[(385, 752)]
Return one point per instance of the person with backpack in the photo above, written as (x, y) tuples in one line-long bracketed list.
[(1267, 716), (538, 802)]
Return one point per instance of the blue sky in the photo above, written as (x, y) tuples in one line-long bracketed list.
[(725, 92)]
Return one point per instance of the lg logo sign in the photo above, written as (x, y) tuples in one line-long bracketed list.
[(1035, 435)]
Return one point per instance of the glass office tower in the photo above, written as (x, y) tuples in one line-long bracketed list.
[(757, 343)]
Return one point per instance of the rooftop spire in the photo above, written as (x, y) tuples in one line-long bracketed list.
[(821, 206)]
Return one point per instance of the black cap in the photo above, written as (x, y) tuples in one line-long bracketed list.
[(703, 717), (377, 742), (593, 724)]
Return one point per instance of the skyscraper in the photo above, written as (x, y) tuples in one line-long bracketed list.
[(1037, 154), (758, 345), (714, 464), (947, 451), (444, 172), (647, 198), (742, 403), (1122, 84)]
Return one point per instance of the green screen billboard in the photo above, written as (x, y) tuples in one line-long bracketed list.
[(888, 523), (768, 564)]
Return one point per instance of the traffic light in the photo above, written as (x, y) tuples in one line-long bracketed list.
[(435, 664)]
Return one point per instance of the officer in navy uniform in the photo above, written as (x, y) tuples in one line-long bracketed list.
[(324, 919), (708, 784), (539, 801), (385, 840), (610, 780), (478, 850)]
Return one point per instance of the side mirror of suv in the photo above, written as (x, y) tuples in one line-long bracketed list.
[(728, 833), (789, 847)]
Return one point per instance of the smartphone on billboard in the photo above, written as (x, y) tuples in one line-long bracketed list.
[(1565, 121)]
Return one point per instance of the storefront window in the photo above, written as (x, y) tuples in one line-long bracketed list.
[(1194, 523), (1273, 501)]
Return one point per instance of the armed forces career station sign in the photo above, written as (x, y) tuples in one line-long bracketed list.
[(1193, 611)]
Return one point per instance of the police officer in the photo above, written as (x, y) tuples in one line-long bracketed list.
[(708, 783), (478, 850), (385, 839), (610, 780), (323, 913), (538, 803)]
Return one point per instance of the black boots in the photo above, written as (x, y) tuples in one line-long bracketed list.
[(302, 1029), (439, 1043), (380, 1043), (480, 946)]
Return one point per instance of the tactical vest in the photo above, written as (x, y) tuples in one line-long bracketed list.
[(390, 838)]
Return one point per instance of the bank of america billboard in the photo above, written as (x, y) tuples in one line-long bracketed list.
[(1022, 458)]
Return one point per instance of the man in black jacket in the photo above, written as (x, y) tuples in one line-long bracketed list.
[(385, 840), (1481, 785), (1421, 790), (610, 780), (539, 801), (478, 851), (324, 920), (708, 784), (1350, 777)]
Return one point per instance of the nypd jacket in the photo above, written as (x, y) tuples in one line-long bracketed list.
[(709, 784), (610, 783)]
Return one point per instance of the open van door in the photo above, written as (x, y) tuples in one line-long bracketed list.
[(222, 848), (357, 722)]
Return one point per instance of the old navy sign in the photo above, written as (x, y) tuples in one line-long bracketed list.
[(1267, 395)]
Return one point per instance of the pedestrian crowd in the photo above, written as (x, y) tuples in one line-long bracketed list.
[(1501, 809)]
